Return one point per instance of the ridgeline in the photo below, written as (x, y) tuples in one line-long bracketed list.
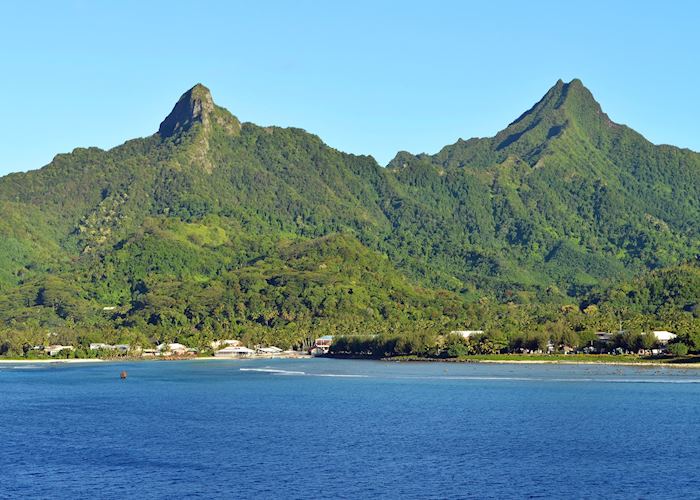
[(214, 228)]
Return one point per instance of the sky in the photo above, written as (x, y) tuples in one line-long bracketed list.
[(368, 77)]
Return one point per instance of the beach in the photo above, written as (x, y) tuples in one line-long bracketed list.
[(52, 361), (639, 364)]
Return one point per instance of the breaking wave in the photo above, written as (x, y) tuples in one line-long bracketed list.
[(274, 371)]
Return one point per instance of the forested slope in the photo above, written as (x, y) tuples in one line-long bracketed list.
[(215, 227)]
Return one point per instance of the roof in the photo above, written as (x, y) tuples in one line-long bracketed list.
[(235, 350), (467, 333), (326, 337), (271, 349), (172, 346), (58, 348), (100, 345), (664, 335)]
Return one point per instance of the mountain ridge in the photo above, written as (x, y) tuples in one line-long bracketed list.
[(560, 204)]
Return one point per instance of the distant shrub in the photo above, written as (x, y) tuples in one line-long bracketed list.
[(678, 349)]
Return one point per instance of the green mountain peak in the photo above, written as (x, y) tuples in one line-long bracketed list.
[(563, 100), (197, 106), (194, 106)]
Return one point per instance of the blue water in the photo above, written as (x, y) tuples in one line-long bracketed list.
[(347, 429)]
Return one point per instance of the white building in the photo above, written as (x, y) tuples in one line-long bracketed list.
[(99, 345), (52, 350), (269, 350), (663, 337), (228, 342), (322, 343), (467, 333), (122, 348), (234, 352), (172, 348)]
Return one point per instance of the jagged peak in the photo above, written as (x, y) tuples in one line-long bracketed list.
[(569, 101), (200, 92), (576, 89), (196, 106)]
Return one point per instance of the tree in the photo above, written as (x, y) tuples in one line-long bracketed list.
[(678, 349), (456, 346)]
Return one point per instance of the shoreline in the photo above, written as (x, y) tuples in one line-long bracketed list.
[(225, 358), (9, 361), (650, 364), (611, 362), (52, 361), (642, 364)]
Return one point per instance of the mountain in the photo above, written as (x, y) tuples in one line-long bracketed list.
[(212, 226), (562, 197)]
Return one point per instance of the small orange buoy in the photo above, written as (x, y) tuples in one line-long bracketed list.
[(122, 375)]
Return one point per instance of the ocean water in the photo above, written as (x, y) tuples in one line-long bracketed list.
[(347, 429)]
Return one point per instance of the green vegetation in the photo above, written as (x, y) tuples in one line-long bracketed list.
[(561, 225), (538, 346)]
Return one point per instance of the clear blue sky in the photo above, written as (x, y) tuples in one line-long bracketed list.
[(368, 77)]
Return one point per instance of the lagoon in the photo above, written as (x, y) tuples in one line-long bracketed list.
[(321, 428)]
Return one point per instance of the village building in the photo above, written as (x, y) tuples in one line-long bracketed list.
[(604, 336), (663, 337), (228, 342), (467, 333), (96, 346), (172, 349), (234, 352), (269, 350), (121, 348), (550, 347), (323, 344), (52, 350)]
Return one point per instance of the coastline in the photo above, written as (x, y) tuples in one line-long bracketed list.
[(650, 364), (11, 361), (408, 359), (233, 358), (52, 361), (685, 362), (642, 364)]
